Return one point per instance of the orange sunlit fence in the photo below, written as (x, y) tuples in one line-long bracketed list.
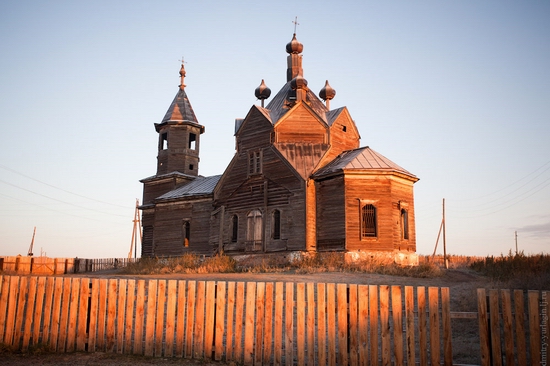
[(248, 322)]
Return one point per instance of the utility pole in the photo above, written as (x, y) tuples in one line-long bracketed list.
[(32, 244), (516, 233), (444, 239), (135, 231), (442, 228)]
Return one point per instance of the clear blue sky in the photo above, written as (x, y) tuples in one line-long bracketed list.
[(456, 92)]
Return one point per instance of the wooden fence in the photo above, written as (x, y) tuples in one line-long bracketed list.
[(51, 266), (508, 334), (250, 323)]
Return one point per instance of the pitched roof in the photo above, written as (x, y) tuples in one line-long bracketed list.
[(198, 187), (361, 159), (180, 109), (282, 103)]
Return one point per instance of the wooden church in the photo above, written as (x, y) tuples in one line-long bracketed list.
[(298, 182)]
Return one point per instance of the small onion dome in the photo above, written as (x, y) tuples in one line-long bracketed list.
[(262, 92), (327, 93), (299, 82), (294, 46)]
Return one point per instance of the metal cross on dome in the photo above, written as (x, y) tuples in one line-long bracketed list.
[(295, 21)]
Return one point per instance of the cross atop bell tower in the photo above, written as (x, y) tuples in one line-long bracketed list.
[(179, 135)]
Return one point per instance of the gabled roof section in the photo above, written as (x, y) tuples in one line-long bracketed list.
[(284, 100), (361, 159), (180, 109), (333, 115), (198, 187), (167, 175)]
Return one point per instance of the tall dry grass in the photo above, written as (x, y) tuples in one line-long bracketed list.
[(516, 270)]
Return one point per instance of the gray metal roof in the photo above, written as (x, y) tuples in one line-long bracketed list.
[(198, 187), (281, 103), (180, 109), (363, 158)]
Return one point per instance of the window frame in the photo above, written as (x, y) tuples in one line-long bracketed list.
[(368, 231), (255, 162)]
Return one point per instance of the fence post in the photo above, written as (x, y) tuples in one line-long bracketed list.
[(483, 327)]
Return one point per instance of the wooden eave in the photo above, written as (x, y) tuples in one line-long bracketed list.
[(288, 114), (159, 126)]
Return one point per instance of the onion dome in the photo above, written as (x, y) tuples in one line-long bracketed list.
[(327, 93), (294, 46), (299, 82), (262, 92)]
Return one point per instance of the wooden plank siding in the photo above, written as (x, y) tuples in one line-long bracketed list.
[(331, 216), (168, 227), (385, 192)]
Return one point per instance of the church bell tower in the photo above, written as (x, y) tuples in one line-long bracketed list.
[(179, 136)]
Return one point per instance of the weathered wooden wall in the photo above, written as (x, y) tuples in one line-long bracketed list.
[(331, 214), (168, 227)]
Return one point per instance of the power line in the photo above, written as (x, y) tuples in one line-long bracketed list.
[(55, 199), (61, 189)]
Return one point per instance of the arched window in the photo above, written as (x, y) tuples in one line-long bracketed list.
[(185, 231), (254, 229), (368, 221), (234, 228), (405, 224), (276, 225)]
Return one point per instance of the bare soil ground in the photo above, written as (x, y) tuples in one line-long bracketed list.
[(461, 282)]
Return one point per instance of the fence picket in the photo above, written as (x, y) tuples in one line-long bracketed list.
[(494, 324), (29, 315), (230, 316), (111, 315), (534, 327), (64, 318), (198, 349), (342, 319), (373, 324), (300, 322), (397, 317), (12, 304), (38, 309), (249, 323), (170, 318), (446, 322), (483, 327), (508, 330), (433, 301), (180, 319), (521, 348), (121, 308), (289, 324), (159, 318), (310, 324), (23, 291), (101, 315), (129, 316), (260, 305), (385, 324), (422, 325), (331, 323), (191, 296), (409, 325), (4, 293), (73, 314), (151, 310), (363, 299), (94, 303), (353, 326), (82, 314), (278, 334), (209, 318), (321, 325), (140, 317), (268, 327), (220, 320)]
